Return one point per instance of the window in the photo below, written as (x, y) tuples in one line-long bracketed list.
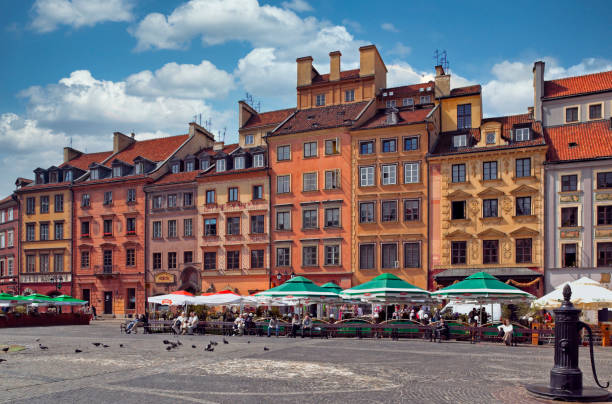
[(68, 176), (108, 197), (172, 201), (84, 259), (210, 227), (310, 219), (388, 174), (59, 231), (130, 257), (569, 217), (59, 203), (604, 254), (523, 250), (366, 147), (283, 153), (283, 184), (210, 260), (189, 165), (2, 243), (604, 215), (249, 139), (9, 266), (332, 179), (257, 224), (411, 210), (366, 176), (282, 257), (187, 257), (523, 206), (130, 225), (210, 196), (389, 256), (412, 255), (570, 255), (407, 102), (458, 173), (309, 256), (257, 259), (309, 182), (140, 168), (108, 227), (458, 210), (187, 199), (569, 183), (258, 160), (157, 202), (490, 249), (366, 212), (283, 220), (44, 204), (10, 238), (233, 260), (84, 229), (117, 170), (30, 232), (95, 174), (489, 208), (171, 260), (366, 256), (30, 205), (320, 100), (187, 227), (131, 195), (523, 167), (411, 173), (458, 252), (604, 180), (58, 262), (595, 111), (391, 104), (44, 263), (31, 263), (425, 99), (239, 163), (220, 165), (459, 141), (521, 134), (44, 231), (490, 137), (349, 95), (233, 226), (411, 143), (489, 170), (332, 146), (257, 191), (157, 229), (464, 116), (332, 217), (131, 299), (310, 149), (332, 254), (232, 194), (9, 214), (389, 145), (204, 164), (389, 211), (171, 228), (571, 114)]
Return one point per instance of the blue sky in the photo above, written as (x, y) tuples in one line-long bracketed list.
[(78, 70)]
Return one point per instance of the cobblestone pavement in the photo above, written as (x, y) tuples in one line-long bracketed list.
[(293, 370)]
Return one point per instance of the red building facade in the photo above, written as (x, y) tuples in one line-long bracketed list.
[(9, 244)]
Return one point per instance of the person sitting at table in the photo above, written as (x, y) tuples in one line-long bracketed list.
[(192, 324), (178, 323), (441, 330), (307, 325), (239, 326), (132, 324), (295, 325), (273, 325), (508, 330)]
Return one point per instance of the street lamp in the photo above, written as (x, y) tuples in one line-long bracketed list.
[(57, 281)]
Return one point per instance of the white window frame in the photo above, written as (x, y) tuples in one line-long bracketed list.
[(239, 163), (425, 99), (249, 139), (388, 176), (313, 185), (367, 175), (460, 141), (10, 238), (337, 256), (334, 179), (258, 160), (175, 168), (189, 166), (521, 134), (349, 95), (320, 100), (391, 104), (408, 101), (220, 165), (337, 148), (283, 178), (412, 174)]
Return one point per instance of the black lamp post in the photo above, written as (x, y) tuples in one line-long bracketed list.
[(57, 281)]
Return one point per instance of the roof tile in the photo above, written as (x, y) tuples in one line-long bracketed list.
[(321, 118), (589, 83), (582, 141), (406, 117), (268, 118), (153, 149)]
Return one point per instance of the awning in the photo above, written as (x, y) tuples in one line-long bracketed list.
[(503, 273)]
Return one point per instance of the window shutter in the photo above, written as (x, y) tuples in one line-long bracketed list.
[(338, 182)]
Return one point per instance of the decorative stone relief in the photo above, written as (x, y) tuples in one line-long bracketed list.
[(507, 248), (474, 207), (507, 205), (569, 198), (506, 163), (603, 233), (475, 250), (570, 234), (603, 197)]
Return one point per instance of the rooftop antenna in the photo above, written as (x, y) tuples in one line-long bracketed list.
[(258, 106), (441, 59), (200, 119), (195, 118), (71, 142), (224, 130)]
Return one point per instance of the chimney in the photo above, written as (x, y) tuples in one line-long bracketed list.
[(538, 89), (305, 72), (334, 65), (218, 146), (442, 82), (121, 142), (245, 112), (71, 154), (530, 112), (371, 64)]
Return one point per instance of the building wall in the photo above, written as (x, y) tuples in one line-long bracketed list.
[(554, 110), (334, 92), (449, 111), (9, 252)]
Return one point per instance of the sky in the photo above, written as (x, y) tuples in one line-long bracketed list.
[(75, 71)]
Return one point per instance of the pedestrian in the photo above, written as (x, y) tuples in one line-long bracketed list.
[(307, 325), (273, 325), (295, 325), (93, 310), (420, 314), (508, 330), (178, 323), (359, 311)]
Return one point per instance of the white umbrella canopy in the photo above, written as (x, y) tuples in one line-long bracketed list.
[(179, 298), (223, 298), (586, 294)]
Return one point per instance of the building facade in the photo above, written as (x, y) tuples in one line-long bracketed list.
[(9, 244)]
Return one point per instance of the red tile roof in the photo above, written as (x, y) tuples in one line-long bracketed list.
[(84, 160), (579, 142), (7, 199), (344, 75), (468, 90), (406, 91), (268, 118), (175, 178), (509, 121), (406, 117), (589, 83), (154, 149), (227, 149), (321, 118)]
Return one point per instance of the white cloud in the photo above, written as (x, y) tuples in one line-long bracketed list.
[(261, 74), (49, 14), (387, 26), (297, 5), (353, 25), (400, 50)]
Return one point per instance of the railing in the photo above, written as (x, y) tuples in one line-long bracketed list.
[(106, 270), (46, 277)]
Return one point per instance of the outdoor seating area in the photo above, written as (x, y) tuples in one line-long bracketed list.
[(37, 310)]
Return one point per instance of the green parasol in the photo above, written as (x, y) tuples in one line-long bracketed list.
[(482, 287), (385, 287), (298, 287), (66, 300)]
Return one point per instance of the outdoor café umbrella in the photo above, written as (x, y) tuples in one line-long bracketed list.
[(298, 288), (332, 287), (66, 300), (385, 288), (178, 298), (482, 287), (38, 298), (6, 300), (587, 294), (222, 298)]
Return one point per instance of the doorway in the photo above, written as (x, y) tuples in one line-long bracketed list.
[(86, 295), (108, 302)]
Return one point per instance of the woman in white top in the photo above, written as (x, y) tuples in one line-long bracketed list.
[(507, 328)]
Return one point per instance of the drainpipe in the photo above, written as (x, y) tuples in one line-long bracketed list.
[(17, 239), (269, 212), (72, 242), (146, 246), (428, 210)]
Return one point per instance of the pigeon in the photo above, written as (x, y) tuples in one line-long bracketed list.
[(37, 339), (193, 346), (209, 349), (105, 346), (173, 345), (166, 342), (2, 360), (225, 341), (208, 346), (248, 342), (178, 342), (266, 348), (43, 347), (215, 343), (120, 345), (5, 349), (77, 351), (168, 348), (96, 343)]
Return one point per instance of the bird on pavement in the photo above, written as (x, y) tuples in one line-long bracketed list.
[(43, 347), (168, 348), (77, 351), (193, 346), (266, 348), (225, 341), (248, 342), (96, 343), (2, 360), (209, 349), (37, 339), (5, 349), (105, 346), (120, 345), (166, 342)]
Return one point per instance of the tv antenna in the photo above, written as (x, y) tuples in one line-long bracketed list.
[(441, 59)]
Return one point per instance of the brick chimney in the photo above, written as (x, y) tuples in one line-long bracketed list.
[(442, 82), (304, 71), (371, 64), (538, 89), (121, 142), (218, 146), (334, 65), (71, 154)]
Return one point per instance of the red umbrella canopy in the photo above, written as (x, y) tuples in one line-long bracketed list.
[(182, 292)]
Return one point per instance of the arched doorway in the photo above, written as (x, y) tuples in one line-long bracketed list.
[(190, 280)]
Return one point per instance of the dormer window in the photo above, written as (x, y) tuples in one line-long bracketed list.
[(249, 139), (459, 141), (116, 171), (408, 102), (391, 104), (425, 99), (176, 168), (68, 175), (140, 168), (258, 160), (189, 165), (239, 163), (53, 177), (490, 138), (521, 134), (40, 178), (320, 100), (204, 164), (220, 165), (95, 174)]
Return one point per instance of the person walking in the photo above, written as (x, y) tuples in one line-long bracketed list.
[(273, 325)]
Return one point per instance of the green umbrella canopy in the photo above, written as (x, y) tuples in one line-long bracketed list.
[(482, 285), (6, 297), (68, 301), (385, 285), (38, 298), (332, 287), (298, 287)]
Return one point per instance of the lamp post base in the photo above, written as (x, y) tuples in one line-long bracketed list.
[(585, 394)]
